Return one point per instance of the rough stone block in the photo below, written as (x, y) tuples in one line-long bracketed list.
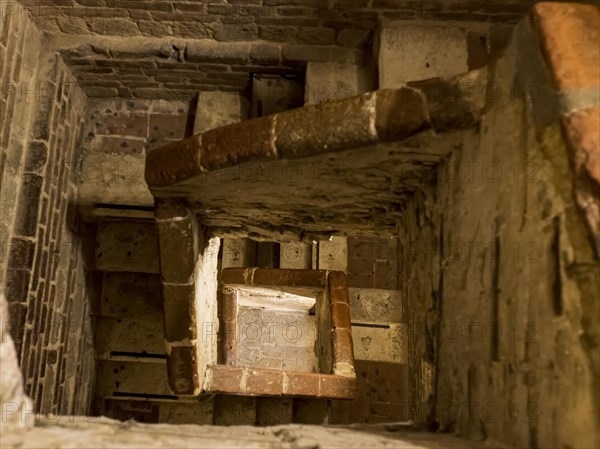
[(179, 312), (114, 178), (187, 412), (130, 335), (224, 52), (412, 53), (183, 377), (301, 384), (375, 305), (381, 344), (231, 145), (273, 411), (131, 377), (238, 253), (265, 53), (234, 410), (342, 126), (219, 109), (297, 255), (329, 81), (127, 247), (337, 387)]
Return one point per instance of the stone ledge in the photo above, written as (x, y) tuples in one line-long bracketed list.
[(380, 116), (268, 382)]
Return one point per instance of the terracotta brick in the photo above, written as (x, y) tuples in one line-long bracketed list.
[(179, 311), (343, 124), (174, 163), (273, 411), (360, 248), (229, 342), (270, 276), (400, 113), (569, 38), (340, 315), (17, 283), (290, 277), (307, 278), (338, 287), (301, 384), (582, 129), (252, 140), (226, 379), (343, 349), (264, 382), (242, 276), (181, 367), (229, 311), (337, 387)]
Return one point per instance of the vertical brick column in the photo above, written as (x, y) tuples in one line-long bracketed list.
[(178, 252), (342, 348)]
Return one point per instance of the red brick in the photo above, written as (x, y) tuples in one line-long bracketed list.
[(252, 140), (343, 349), (226, 379), (264, 382), (569, 37), (338, 287), (302, 384), (337, 387), (234, 276), (340, 315), (123, 125)]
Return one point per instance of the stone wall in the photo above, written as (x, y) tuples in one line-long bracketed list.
[(498, 265), (18, 97), (42, 263), (118, 134)]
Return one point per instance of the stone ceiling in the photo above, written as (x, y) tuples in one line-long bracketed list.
[(347, 166), (173, 49)]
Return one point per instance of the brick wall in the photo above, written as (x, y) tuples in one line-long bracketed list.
[(118, 134), (302, 21), (43, 271), (18, 98)]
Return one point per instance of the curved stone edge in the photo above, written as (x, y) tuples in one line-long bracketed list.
[(569, 35), (380, 116)]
